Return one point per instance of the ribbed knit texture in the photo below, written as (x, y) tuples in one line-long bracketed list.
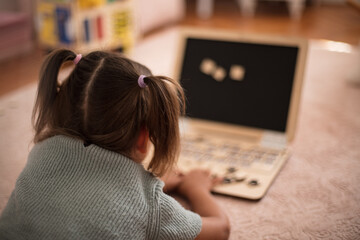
[(68, 191)]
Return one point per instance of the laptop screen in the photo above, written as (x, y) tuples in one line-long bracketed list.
[(240, 83)]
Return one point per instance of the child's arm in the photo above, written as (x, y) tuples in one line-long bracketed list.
[(196, 187)]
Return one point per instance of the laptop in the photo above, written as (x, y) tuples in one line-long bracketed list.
[(243, 93)]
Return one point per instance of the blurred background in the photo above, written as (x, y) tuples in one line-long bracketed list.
[(30, 28), (317, 194)]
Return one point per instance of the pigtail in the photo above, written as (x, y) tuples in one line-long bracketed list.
[(165, 105), (48, 89)]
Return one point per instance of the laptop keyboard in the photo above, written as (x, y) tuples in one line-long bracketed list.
[(227, 160)]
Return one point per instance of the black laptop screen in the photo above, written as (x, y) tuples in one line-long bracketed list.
[(239, 83)]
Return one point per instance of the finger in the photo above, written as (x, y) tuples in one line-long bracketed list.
[(179, 178), (207, 172), (216, 180), (196, 171)]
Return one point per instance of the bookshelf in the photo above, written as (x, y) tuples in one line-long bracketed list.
[(86, 25)]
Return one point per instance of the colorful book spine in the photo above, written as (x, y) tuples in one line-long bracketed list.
[(63, 16), (122, 29), (99, 28), (87, 35), (86, 4), (47, 26)]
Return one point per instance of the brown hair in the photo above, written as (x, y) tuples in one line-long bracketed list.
[(102, 103)]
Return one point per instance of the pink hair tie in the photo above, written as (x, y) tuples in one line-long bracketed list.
[(141, 82), (77, 59)]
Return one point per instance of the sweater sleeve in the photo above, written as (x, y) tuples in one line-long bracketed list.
[(175, 221)]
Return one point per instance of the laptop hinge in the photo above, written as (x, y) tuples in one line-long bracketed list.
[(274, 140)]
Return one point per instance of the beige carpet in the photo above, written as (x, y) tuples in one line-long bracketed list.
[(317, 194)]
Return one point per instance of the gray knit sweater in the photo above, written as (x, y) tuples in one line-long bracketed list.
[(68, 191)]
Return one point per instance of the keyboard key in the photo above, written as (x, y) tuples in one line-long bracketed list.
[(210, 154)]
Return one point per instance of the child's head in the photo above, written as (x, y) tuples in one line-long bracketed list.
[(101, 102)]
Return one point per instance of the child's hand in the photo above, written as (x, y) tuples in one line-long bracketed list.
[(196, 186), (197, 180), (172, 180)]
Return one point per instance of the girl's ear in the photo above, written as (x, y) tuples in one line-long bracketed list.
[(143, 141), (141, 147)]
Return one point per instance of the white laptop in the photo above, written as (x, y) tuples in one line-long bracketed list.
[(243, 94)]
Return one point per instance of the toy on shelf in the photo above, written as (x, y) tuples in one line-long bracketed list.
[(86, 25)]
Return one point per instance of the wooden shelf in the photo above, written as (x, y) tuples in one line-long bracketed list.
[(75, 24)]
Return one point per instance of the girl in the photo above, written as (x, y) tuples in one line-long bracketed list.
[(84, 178)]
